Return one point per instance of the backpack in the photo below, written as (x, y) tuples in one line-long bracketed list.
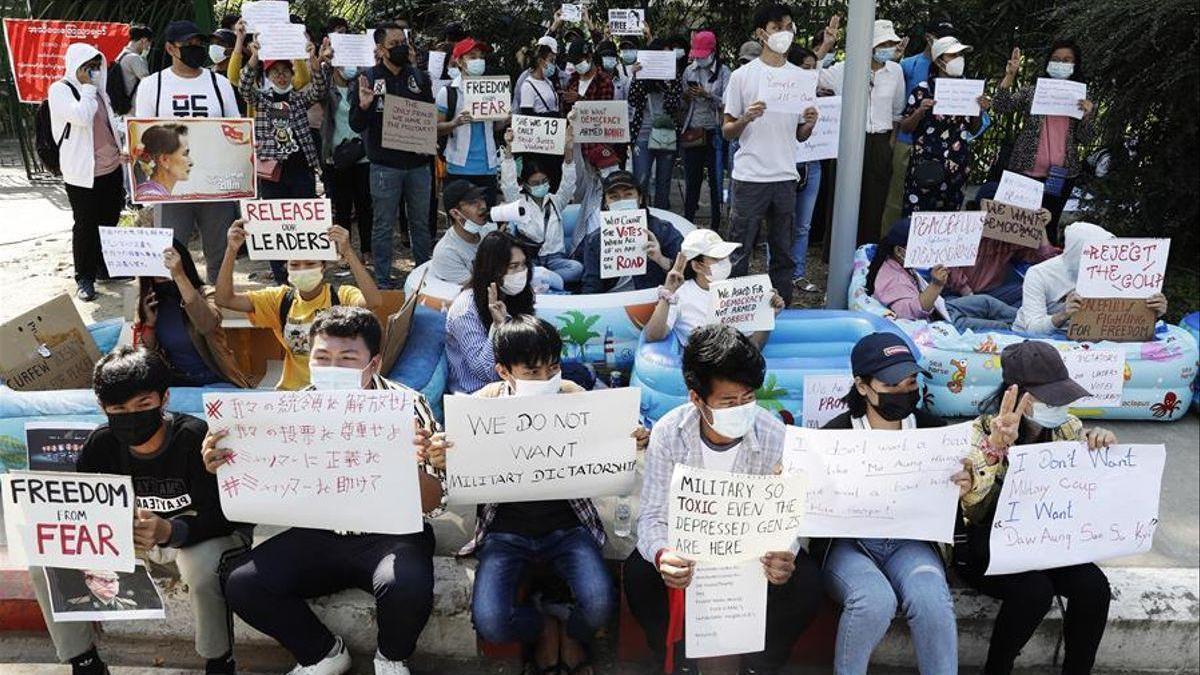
[(289, 296), (451, 105), (46, 145), (120, 100)]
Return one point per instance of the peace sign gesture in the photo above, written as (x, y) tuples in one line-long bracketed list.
[(675, 277), (496, 306), (1014, 62), (1007, 422)]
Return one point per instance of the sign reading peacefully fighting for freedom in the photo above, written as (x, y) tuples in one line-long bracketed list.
[(788, 90), (532, 448), (408, 125), (135, 251), (1018, 190), (353, 51), (949, 238), (823, 398), (329, 460), (289, 229), (543, 135), (957, 96), (623, 236), (74, 520), (722, 517), (743, 302), (1058, 97), (1116, 319), (872, 483), (487, 98), (1013, 224), (1062, 504), (1123, 268), (726, 609), (823, 142), (601, 122), (1101, 372)]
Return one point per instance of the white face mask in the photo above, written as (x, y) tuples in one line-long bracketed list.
[(734, 422), (216, 53), (476, 67), (1049, 416), (326, 378), (623, 205), (537, 387), (781, 42), (281, 90), (307, 279), (514, 282), (1060, 70), (719, 271), (956, 66)]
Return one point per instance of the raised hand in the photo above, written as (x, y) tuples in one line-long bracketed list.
[(940, 274), (340, 237), (366, 94), (326, 53), (496, 306), (1014, 63), (432, 447), (811, 115), (777, 302), (1007, 422), (173, 262), (831, 31), (237, 234), (150, 309), (675, 277)]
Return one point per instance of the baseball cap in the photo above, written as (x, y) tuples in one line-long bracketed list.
[(885, 357), (1038, 368), (947, 45), (884, 32), (182, 31), (547, 41), (465, 45), (268, 63), (701, 241), (749, 51), (618, 179), (224, 37), (940, 27), (897, 234), (458, 191), (704, 44)]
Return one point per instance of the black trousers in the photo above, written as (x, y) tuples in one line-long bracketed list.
[(350, 193), (697, 161), (93, 208), (791, 607)]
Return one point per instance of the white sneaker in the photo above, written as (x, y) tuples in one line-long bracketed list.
[(336, 662), (385, 666)]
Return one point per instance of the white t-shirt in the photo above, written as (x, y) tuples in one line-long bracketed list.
[(719, 460), (765, 154), (539, 95), (185, 97), (691, 310)]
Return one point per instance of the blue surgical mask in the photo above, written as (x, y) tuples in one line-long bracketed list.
[(583, 67), (884, 54), (349, 73), (1060, 70), (549, 70), (704, 62), (476, 67), (609, 62), (1049, 416), (539, 191), (623, 205), (629, 56)]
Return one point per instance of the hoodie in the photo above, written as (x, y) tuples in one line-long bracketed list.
[(1048, 282), (77, 153)]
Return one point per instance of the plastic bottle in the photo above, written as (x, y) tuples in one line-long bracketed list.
[(622, 517)]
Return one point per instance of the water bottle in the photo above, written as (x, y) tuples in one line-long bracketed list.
[(622, 517), (616, 380)]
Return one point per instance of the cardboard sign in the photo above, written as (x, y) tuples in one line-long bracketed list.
[(744, 303), (1058, 97), (543, 135), (1115, 319), (436, 65), (213, 160), (1062, 504), (531, 448), (289, 229), (626, 21), (956, 96), (36, 48), (873, 483), (826, 134), (1101, 372), (95, 595), (285, 41), (726, 518), (487, 98), (55, 446), (135, 251), (1018, 190), (329, 460), (47, 348), (408, 125), (726, 609), (265, 13), (823, 396), (601, 122), (1013, 224), (1123, 268), (949, 238), (77, 521), (788, 90), (353, 51), (623, 237), (656, 65), (571, 13)]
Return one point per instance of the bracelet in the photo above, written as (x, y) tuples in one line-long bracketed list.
[(669, 296)]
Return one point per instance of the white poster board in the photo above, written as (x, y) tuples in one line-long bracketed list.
[(533, 448), (543, 135), (289, 229), (823, 396), (879, 483), (726, 610), (135, 251), (743, 302), (1062, 504), (571, 13), (259, 15), (1101, 372), (949, 238), (623, 236), (487, 98), (286, 41), (656, 64), (352, 51), (788, 90), (626, 21), (1018, 190), (1123, 268), (826, 133), (328, 460), (957, 96), (437, 64), (1058, 97), (601, 121)]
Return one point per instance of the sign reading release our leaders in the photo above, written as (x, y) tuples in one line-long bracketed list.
[(289, 229), (558, 446)]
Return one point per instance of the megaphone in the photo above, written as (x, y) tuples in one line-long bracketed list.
[(508, 213)]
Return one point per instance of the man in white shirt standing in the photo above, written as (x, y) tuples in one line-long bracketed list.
[(187, 89), (884, 109), (764, 170)]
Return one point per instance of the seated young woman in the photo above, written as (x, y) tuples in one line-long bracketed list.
[(993, 273)]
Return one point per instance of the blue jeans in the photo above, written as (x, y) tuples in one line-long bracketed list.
[(661, 162), (869, 578), (568, 271), (806, 202), (980, 312), (388, 185), (295, 182), (574, 556)]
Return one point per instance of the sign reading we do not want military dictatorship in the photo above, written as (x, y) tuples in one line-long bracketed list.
[(289, 229)]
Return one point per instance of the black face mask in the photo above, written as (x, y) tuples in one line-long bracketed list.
[(193, 56), (398, 55), (136, 428), (895, 407)]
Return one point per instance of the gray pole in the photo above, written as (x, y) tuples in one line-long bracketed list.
[(855, 92)]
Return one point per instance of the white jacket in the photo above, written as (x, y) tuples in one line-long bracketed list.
[(1050, 280), (77, 153), (543, 223), (459, 142)]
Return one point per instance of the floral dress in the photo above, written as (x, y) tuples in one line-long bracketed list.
[(937, 138)]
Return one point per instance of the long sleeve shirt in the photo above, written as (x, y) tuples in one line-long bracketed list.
[(543, 223), (669, 240), (293, 106), (899, 290), (1025, 148), (410, 83), (469, 356), (886, 103)]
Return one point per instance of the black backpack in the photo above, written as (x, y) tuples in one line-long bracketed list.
[(44, 142), (121, 101), (289, 297)]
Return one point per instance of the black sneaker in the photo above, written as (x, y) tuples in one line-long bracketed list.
[(86, 290), (224, 665), (88, 663)]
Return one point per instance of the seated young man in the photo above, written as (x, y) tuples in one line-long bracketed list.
[(662, 245), (467, 213), (722, 428), (268, 587), (288, 310), (178, 512)]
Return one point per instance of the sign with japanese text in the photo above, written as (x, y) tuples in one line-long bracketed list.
[(135, 251)]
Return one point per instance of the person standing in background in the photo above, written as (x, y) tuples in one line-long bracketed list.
[(132, 58), (704, 82), (470, 152)]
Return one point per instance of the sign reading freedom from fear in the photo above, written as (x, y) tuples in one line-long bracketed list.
[(289, 229)]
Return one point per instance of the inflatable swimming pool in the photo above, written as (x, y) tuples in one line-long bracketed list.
[(1191, 323), (804, 342), (965, 366)]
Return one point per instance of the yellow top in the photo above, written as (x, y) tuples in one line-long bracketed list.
[(294, 335)]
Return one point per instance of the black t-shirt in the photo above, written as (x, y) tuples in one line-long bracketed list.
[(534, 519)]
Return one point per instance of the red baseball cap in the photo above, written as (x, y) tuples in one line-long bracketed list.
[(466, 45), (268, 63), (704, 44)]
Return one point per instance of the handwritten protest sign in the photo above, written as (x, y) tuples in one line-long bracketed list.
[(949, 238), (283, 41), (36, 48), (722, 517), (47, 348), (353, 51), (879, 483), (726, 610), (743, 302), (96, 595), (522, 448), (1018, 190), (826, 134), (437, 63), (330, 460), (1101, 372), (601, 122), (789, 90), (1058, 97), (1013, 224), (571, 13), (487, 98), (957, 96), (1115, 319), (623, 236), (72, 520), (135, 251), (1062, 504), (626, 21), (1123, 268), (544, 135), (213, 159), (656, 64), (408, 125), (259, 15), (289, 229), (823, 396)]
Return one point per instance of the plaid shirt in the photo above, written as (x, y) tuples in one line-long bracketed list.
[(675, 439), (266, 146)]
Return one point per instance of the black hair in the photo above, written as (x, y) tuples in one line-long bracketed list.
[(137, 31), (230, 20), (526, 340), (345, 321), (490, 266), (542, 52), (797, 53), (772, 11), (688, 272), (146, 284), (883, 252), (606, 48), (1066, 43), (529, 167), (719, 352), (856, 402), (381, 30), (336, 22), (129, 371)]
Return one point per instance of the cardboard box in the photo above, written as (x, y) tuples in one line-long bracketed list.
[(47, 348), (1115, 319)]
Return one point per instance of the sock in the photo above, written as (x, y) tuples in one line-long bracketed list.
[(88, 663), (222, 665)]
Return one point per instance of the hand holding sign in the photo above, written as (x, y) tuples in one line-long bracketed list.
[(149, 530), (675, 570)]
